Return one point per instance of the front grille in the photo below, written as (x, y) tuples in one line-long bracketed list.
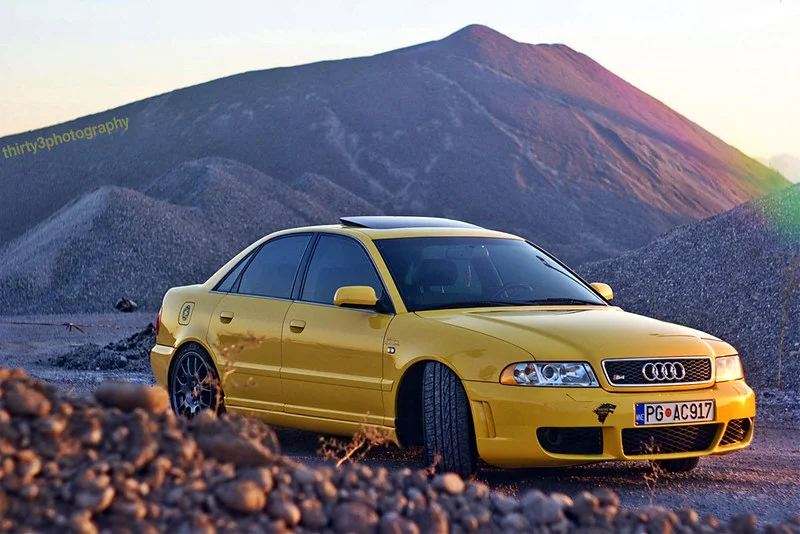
[(735, 432), (628, 372), (571, 440), (667, 440)]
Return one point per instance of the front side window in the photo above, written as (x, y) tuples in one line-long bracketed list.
[(272, 271), (338, 262), (463, 272)]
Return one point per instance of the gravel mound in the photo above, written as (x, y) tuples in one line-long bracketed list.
[(115, 241), (132, 353), (125, 463), (726, 275)]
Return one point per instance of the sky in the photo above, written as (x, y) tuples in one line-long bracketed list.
[(731, 66)]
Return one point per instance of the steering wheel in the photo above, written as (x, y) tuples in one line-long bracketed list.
[(505, 288)]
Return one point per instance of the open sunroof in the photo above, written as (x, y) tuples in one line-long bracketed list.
[(386, 222)]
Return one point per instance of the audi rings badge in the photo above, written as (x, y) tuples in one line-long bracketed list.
[(663, 371)]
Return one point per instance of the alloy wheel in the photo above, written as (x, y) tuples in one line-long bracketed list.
[(192, 386)]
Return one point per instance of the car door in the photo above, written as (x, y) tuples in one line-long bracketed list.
[(245, 329), (332, 356)]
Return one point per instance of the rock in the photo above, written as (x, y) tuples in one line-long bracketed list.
[(540, 509), (354, 518), (585, 506), (606, 497), (303, 475), (234, 449), (688, 516), (391, 523), (515, 522), (81, 523), (260, 475), (242, 496), (281, 508), (199, 524), (126, 305), (564, 500), (51, 426), (312, 515), (24, 401), (505, 505), (127, 396), (743, 524), (449, 482), (29, 492), (129, 508), (95, 499)]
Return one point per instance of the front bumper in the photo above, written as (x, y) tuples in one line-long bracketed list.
[(507, 419)]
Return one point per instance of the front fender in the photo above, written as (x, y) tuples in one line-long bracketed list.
[(471, 355)]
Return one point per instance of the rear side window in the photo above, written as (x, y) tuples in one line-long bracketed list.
[(272, 271), (226, 285), (338, 262)]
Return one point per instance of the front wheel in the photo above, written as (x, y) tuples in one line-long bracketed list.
[(447, 429), (194, 383), (680, 465)]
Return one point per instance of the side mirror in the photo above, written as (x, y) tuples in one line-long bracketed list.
[(604, 290), (355, 297)]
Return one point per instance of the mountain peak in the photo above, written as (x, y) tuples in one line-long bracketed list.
[(477, 34)]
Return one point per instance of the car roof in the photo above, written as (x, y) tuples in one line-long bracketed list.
[(388, 227)]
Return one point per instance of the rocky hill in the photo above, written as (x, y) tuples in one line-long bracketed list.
[(730, 275), (539, 140), (115, 241)]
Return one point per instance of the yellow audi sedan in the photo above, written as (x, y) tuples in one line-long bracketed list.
[(468, 342)]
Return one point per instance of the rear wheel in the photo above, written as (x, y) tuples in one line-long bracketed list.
[(194, 383), (680, 465), (447, 429)]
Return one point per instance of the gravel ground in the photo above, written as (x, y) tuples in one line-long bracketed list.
[(762, 479), (33, 347)]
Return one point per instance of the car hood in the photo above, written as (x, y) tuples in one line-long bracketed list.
[(583, 333)]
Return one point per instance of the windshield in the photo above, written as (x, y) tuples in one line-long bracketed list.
[(468, 272)]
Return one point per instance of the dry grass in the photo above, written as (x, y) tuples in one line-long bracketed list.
[(367, 437), (228, 354), (652, 477)]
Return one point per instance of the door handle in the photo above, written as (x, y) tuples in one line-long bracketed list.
[(296, 326), (226, 317)]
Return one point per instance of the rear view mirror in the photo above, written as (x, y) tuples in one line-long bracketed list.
[(604, 290), (355, 297)]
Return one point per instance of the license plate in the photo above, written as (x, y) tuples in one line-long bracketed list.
[(663, 413)]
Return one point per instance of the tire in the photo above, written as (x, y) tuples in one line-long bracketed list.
[(681, 465), (447, 430), (194, 383)]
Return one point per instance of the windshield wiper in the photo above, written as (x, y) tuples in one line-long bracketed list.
[(473, 304), (561, 301)]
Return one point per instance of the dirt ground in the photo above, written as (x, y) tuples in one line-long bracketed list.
[(763, 479)]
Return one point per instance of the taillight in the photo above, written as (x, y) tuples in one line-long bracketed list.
[(158, 321)]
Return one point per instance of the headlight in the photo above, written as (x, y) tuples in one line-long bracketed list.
[(729, 368), (569, 374)]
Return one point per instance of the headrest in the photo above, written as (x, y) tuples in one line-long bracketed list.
[(436, 272)]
